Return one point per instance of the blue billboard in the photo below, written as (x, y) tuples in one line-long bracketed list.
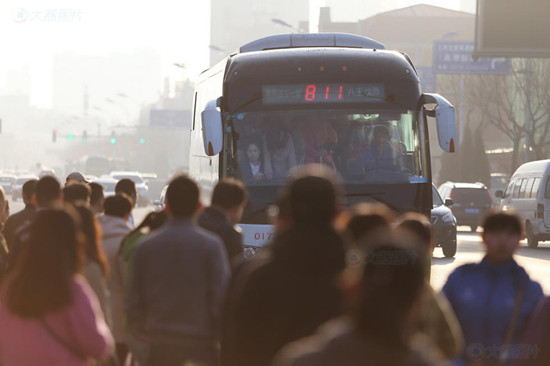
[(455, 57)]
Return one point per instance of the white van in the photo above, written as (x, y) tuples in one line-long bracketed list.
[(528, 193)]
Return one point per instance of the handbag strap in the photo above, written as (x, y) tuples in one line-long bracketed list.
[(62, 342), (512, 325)]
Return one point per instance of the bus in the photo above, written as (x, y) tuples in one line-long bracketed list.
[(326, 98)]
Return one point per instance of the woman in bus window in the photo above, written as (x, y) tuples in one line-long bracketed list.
[(252, 166)]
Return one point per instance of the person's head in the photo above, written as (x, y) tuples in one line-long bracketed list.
[(420, 226), (75, 177), (182, 197), (48, 192), (364, 219), (97, 197), (28, 191), (276, 136), (381, 135), (254, 152), (230, 195), (91, 230), (314, 196), (40, 282), (128, 187), (77, 193), (390, 290), (502, 232), (4, 207), (119, 205)]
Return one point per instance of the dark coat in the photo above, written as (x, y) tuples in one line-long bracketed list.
[(246, 171), (338, 343), (16, 221), (282, 295), (215, 221)]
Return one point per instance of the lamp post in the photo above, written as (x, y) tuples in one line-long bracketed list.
[(286, 25)]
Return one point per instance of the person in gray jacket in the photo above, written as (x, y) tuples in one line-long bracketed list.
[(178, 276)]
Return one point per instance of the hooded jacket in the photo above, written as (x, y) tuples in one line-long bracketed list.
[(114, 230)]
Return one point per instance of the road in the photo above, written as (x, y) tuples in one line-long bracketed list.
[(470, 249)]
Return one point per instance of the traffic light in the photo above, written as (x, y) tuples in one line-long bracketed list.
[(142, 140), (70, 136), (85, 136), (113, 137), (54, 135)]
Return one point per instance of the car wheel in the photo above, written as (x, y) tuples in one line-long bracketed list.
[(449, 249), (473, 228), (532, 241)]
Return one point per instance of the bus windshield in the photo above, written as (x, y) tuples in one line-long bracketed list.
[(374, 146)]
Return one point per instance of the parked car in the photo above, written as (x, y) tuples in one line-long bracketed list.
[(7, 181), (141, 187), (471, 202), (528, 193), (17, 191), (443, 224)]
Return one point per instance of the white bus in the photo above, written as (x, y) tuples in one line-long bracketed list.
[(293, 99)]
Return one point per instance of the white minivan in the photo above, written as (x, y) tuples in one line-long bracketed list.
[(528, 193)]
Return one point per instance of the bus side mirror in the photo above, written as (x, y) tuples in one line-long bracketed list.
[(212, 132), (448, 202), (445, 119), (499, 194)]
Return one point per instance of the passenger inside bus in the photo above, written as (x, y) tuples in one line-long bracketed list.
[(252, 166), (320, 140), (279, 155), (380, 154)]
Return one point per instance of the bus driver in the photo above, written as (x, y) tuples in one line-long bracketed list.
[(380, 154)]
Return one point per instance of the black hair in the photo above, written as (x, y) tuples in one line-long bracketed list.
[(128, 186), (182, 196), (118, 205), (97, 193), (48, 189), (498, 220), (229, 193), (313, 196), (29, 189), (76, 192), (393, 278)]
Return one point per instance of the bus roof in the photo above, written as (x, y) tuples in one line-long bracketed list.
[(308, 61), (311, 40)]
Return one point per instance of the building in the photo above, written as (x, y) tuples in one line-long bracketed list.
[(237, 22)]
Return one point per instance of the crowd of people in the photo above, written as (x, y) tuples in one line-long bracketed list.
[(81, 284)]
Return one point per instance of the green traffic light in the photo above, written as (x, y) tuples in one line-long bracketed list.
[(113, 140), (70, 136), (141, 141)]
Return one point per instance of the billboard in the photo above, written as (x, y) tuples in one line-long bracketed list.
[(512, 28), (455, 57)]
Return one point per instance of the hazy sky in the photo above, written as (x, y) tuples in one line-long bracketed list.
[(33, 31)]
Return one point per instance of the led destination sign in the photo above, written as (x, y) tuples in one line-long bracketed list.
[(322, 93)]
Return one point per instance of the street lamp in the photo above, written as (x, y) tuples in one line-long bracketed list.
[(285, 24)]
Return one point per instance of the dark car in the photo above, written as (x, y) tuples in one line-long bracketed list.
[(443, 224), (471, 202)]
